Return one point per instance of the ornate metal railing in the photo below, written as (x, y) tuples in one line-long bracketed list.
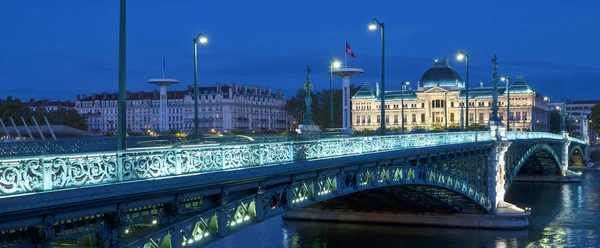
[(47, 173), (539, 135)]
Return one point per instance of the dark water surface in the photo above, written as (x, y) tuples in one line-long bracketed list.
[(564, 215)]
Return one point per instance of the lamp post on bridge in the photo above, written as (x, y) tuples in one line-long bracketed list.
[(404, 84), (462, 116), (460, 56), (546, 101), (334, 64), (373, 27), (446, 109), (507, 80), (122, 96), (494, 119), (202, 40)]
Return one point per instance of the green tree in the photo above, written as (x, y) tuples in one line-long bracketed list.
[(595, 118), (320, 106), (15, 108)]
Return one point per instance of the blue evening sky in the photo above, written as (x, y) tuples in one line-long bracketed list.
[(60, 48)]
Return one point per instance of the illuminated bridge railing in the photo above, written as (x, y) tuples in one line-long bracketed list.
[(539, 135), (47, 173)]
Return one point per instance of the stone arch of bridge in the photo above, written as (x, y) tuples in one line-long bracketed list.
[(576, 157), (236, 215), (538, 154)]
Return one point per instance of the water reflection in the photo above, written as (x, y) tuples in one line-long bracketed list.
[(564, 215)]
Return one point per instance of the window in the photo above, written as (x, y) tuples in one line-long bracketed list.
[(387, 119), (422, 105), (452, 104), (414, 117), (471, 116), (480, 117), (378, 118), (368, 119), (518, 115), (451, 117), (422, 118), (357, 119), (524, 115), (395, 118)]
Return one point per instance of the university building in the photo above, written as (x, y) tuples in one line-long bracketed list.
[(437, 101), (221, 108)]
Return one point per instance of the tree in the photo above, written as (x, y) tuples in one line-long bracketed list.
[(595, 118), (15, 108), (320, 106)]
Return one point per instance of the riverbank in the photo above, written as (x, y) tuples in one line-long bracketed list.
[(509, 220)]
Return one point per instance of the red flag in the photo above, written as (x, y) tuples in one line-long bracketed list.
[(349, 51)]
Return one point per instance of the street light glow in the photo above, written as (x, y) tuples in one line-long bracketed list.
[(557, 107), (203, 40), (372, 27), (503, 79), (546, 98), (407, 83), (460, 56), (337, 64)]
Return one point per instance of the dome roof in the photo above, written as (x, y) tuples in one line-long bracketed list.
[(440, 74)]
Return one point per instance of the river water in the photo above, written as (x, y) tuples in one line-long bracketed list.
[(564, 215)]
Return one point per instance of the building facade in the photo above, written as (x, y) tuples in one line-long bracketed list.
[(437, 101), (49, 105), (221, 108), (578, 115)]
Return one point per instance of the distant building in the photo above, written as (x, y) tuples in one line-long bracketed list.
[(578, 114), (438, 99), (49, 105), (220, 108)]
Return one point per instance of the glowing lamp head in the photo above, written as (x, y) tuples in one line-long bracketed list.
[(557, 108), (203, 39), (503, 79), (460, 56), (406, 83), (372, 27), (546, 98), (336, 64)]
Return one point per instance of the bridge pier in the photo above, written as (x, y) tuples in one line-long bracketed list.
[(564, 154)]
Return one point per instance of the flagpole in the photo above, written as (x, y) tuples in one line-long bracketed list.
[(345, 53)]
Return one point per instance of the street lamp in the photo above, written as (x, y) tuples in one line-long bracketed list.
[(546, 101), (373, 27), (460, 56), (202, 40), (507, 80), (446, 109), (334, 64), (462, 117), (122, 96), (404, 84)]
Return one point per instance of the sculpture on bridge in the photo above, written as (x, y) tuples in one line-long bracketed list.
[(308, 88), (494, 120), (308, 130)]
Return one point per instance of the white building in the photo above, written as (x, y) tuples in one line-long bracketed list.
[(578, 113), (49, 105), (439, 99), (220, 108)]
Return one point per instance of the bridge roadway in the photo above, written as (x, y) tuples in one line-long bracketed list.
[(171, 197)]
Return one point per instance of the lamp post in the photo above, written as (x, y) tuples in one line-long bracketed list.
[(122, 97), (334, 64), (507, 80), (404, 84), (546, 101), (460, 56), (446, 109), (373, 27), (532, 110), (462, 117), (202, 40)]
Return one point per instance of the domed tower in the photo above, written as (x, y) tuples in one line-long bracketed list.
[(440, 74)]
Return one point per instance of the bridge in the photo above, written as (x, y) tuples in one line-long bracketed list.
[(192, 195)]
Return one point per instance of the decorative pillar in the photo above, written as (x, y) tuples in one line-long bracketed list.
[(494, 121), (564, 154), (496, 171)]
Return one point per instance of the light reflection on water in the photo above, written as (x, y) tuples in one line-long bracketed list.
[(564, 215)]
